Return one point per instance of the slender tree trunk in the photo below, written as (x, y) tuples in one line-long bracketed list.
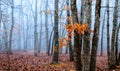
[(26, 39), (35, 31), (19, 30), (116, 51), (113, 60), (0, 14), (40, 35), (46, 27), (56, 35), (53, 42), (0, 23), (108, 34), (95, 37), (5, 36), (11, 30), (101, 53), (70, 44), (77, 44), (50, 40)]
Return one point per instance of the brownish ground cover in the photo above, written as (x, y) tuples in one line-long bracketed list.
[(22, 61)]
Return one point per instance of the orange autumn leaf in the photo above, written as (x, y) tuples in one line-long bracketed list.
[(69, 27), (60, 45), (79, 28), (63, 42), (76, 26), (84, 27), (79, 31), (60, 42)]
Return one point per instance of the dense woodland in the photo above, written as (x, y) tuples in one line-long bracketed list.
[(59, 35)]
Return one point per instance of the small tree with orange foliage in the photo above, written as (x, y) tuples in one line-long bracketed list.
[(80, 28)]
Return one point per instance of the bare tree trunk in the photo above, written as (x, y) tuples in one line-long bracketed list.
[(5, 37), (77, 44), (11, 30), (19, 38), (26, 39), (116, 51), (46, 27), (101, 53), (108, 35), (53, 42), (40, 35), (0, 14), (50, 40), (113, 60), (56, 35), (35, 31), (95, 37)]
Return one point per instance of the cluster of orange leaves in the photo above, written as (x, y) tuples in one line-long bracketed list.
[(62, 42), (79, 28)]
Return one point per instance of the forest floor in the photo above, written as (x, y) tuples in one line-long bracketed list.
[(26, 61)]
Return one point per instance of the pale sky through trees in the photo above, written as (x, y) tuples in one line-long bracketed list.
[(27, 10)]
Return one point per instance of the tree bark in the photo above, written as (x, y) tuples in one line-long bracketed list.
[(95, 37), (0, 14), (77, 44), (35, 31), (40, 35), (46, 27), (11, 30), (113, 60), (108, 35), (116, 51), (56, 35), (101, 53)]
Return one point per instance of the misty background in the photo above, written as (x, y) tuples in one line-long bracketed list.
[(24, 14)]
